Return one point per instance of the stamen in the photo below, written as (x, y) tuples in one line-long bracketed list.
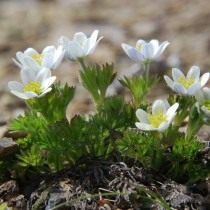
[(37, 58), (187, 83), (33, 87), (157, 119)]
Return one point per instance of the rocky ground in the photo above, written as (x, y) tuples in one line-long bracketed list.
[(33, 23)]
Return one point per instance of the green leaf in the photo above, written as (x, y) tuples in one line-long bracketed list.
[(143, 147), (96, 80), (139, 87), (53, 105)]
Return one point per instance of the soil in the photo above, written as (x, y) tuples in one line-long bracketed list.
[(39, 23)]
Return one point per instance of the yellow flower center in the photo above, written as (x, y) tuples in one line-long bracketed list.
[(37, 58), (139, 47), (34, 87), (187, 83), (207, 104), (157, 119)]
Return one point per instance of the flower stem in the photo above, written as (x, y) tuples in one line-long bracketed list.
[(147, 71), (195, 123), (82, 63)]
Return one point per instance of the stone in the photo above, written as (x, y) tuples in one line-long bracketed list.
[(7, 147)]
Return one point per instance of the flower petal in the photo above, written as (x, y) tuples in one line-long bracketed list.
[(161, 49), (169, 82), (144, 126), (194, 73), (75, 51), (27, 75), (13, 85), (80, 38), (180, 89), (177, 74), (193, 89), (206, 92), (155, 44), (22, 95), (132, 53), (42, 75), (147, 51), (47, 83), (30, 52), (171, 112), (45, 92), (142, 116), (204, 79), (163, 126), (159, 107)]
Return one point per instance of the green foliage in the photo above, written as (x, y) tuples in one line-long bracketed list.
[(139, 87), (4, 206), (185, 165), (53, 105), (148, 197), (96, 80), (143, 147), (52, 143), (31, 123)]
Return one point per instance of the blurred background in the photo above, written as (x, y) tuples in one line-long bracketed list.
[(35, 23)]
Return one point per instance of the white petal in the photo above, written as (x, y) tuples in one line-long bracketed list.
[(49, 49), (140, 44), (30, 52), (206, 92), (91, 47), (48, 56), (169, 82), (155, 44), (27, 75), (194, 73), (47, 83), (42, 75), (17, 63), (177, 74), (204, 79), (20, 56), (93, 37), (193, 89), (179, 89), (144, 126), (159, 107), (30, 63), (147, 51), (132, 53), (75, 51), (58, 57), (142, 116), (26, 95), (64, 42), (161, 49), (200, 97), (171, 112), (80, 38), (13, 85), (45, 92), (163, 126)]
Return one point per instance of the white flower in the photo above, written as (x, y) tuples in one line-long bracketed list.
[(160, 119), (145, 51), (188, 85), (203, 98), (49, 58), (80, 46), (33, 84)]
